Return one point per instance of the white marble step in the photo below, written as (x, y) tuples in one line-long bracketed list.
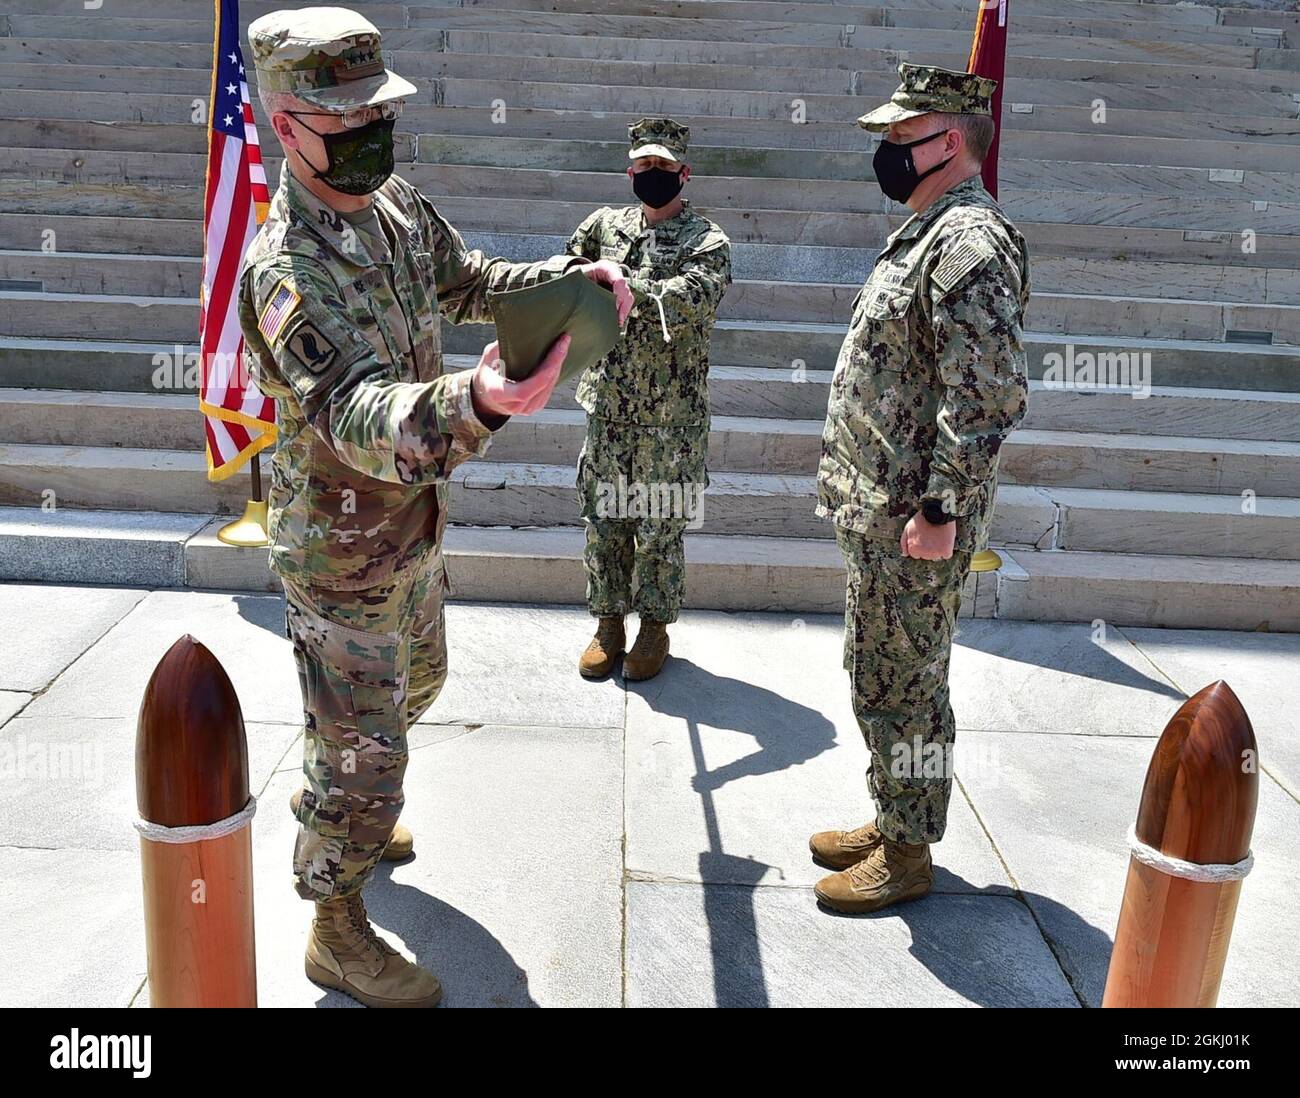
[(730, 86), (1128, 113), (121, 316), (1059, 207), (900, 28), (674, 63), (733, 573), (763, 420), (1156, 138), (99, 364), (514, 493), (390, 13), (813, 283), (772, 239)]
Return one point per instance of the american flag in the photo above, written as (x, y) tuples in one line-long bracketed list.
[(239, 419)]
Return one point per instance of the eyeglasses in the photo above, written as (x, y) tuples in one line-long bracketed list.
[(360, 116)]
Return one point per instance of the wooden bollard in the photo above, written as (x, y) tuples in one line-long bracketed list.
[(1191, 852), (196, 851)]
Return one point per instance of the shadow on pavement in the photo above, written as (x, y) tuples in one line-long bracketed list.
[(788, 734), (266, 611), (1015, 641), (475, 969), (1080, 950)]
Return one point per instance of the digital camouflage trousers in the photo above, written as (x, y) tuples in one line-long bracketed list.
[(899, 618), (640, 489)]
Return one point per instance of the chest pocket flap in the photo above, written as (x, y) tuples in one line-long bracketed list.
[(887, 302)]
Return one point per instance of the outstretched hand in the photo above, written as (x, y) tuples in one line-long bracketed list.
[(609, 274), (496, 394)]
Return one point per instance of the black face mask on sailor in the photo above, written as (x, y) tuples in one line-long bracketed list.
[(656, 187), (896, 170)]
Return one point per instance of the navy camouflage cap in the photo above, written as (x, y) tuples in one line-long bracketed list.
[(658, 137), (924, 88), (328, 57)]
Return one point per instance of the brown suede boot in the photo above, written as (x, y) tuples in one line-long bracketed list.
[(647, 657), (841, 849), (400, 843), (345, 953), (891, 873), (605, 648)]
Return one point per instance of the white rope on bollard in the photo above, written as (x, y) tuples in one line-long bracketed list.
[(1190, 871), (199, 832)]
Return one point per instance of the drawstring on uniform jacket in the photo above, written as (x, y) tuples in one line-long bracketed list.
[(663, 319)]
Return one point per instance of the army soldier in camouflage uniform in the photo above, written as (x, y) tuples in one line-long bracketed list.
[(930, 380), (340, 302), (642, 473)]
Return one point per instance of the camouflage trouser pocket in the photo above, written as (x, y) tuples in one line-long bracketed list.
[(320, 848), (920, 600)]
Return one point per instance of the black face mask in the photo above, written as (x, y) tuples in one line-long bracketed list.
[(896, 171), (656, 187), (360, 160)]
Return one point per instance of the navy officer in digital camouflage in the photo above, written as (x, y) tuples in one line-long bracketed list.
[(340, 302), (643, 467), (930, 380)]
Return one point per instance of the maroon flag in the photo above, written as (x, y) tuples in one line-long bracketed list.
[(988, 57)]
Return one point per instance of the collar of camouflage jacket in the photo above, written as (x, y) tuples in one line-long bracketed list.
[(964, 191), (360, 243), (633, 223)]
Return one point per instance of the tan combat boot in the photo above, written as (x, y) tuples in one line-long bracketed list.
[(345, 953), (400, 843), (605, 647), (891, 873), (648, 654), (841, 849)]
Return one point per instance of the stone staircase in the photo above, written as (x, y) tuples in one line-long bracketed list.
[(1181, 508)]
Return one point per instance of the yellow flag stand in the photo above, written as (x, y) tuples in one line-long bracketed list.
[(985, 561), (249, 530)]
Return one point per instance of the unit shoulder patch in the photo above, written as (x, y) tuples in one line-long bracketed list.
[(967, 256), (279, 308), (311, 348)]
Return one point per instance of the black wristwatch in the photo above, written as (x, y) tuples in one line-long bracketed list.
[(934, 513)]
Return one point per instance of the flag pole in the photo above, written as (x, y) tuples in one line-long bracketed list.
[(988, 56)]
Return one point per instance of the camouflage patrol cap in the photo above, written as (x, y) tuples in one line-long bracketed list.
[(328, 57), (924, 88), (658, 137)]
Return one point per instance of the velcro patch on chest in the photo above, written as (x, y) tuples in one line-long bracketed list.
[(279, 308), (967, 256), (368, 283), (312, 349)]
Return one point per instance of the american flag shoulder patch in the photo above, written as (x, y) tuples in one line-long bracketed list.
[(279, 308), (957, 264)]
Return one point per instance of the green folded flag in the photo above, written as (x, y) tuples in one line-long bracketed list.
[(530, 320)]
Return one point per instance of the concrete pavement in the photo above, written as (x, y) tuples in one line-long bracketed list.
[(598, 844)]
